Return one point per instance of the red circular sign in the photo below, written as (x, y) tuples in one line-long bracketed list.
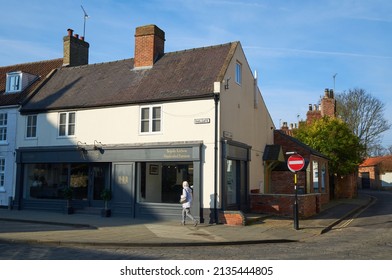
[(295, 163)]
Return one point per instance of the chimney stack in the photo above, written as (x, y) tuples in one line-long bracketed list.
[(75, 50), (149, 45)]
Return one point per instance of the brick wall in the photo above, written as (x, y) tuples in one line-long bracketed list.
[(149, 45), (346, 186), (282, 205)]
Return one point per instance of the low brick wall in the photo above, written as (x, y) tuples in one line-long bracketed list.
[(282, 204)]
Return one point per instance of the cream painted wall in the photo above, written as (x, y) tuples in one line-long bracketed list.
[(245, 122), (120, 125)]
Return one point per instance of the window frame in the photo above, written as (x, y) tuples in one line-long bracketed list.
[(10, 83), (151, 120), (67, 125), (3, 127), (238, 73), (30, 128)]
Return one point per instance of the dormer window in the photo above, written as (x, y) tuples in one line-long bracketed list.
[(14, 82), (17, 81)]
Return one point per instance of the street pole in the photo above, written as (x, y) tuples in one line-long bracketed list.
[(296, 225)]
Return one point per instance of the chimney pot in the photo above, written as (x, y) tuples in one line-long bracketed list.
[(70, 31), (310, 107), (76, 36)]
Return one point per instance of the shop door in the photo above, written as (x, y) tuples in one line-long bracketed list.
[(236, 185), (99, 180), (123, 201)]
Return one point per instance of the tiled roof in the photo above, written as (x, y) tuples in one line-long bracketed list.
[(375, 161), (176, 75), (40, 69), (301, 144)]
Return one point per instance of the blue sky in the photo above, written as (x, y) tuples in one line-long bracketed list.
[(295, 46)]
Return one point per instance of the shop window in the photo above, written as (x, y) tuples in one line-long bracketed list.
[(161, 182), (45, 180)]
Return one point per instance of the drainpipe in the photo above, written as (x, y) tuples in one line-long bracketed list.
[(216, 101)]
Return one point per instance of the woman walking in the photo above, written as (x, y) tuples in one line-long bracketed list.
[(186, 206)]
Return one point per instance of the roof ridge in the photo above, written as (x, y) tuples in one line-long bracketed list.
[(30, 63), (202, 48)]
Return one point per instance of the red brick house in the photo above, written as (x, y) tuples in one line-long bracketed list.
[(313, 179), (376, 173)]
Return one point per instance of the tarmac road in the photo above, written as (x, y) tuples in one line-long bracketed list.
[(363, 236)]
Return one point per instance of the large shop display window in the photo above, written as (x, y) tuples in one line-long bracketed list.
[(48, 180), (161, 182)]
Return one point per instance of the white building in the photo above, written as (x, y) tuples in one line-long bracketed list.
[(141, 126), (16, 83)]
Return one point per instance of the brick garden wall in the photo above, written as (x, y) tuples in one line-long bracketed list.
[(282, 204)]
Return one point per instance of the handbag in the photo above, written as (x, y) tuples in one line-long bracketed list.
[(183, 199)]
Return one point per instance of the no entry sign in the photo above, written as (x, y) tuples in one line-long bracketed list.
[(295, 163)]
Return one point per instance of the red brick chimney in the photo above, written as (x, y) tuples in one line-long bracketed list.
[(328, 104), (149, 45), (75, 50)]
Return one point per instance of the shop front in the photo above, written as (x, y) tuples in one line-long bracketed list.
[(145, 181)]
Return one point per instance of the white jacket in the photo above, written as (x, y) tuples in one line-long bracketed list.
[(187, 192)]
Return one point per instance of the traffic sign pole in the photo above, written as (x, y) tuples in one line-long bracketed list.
[(295, 208), (295, 163)]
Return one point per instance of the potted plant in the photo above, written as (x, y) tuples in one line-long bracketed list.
[(106, 195), (68, 194)]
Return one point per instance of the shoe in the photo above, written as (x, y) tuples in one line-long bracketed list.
[(196, 223)]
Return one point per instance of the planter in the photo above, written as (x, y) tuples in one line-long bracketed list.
[(106, 212)]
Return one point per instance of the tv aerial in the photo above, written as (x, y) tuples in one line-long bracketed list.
[(84, 23)]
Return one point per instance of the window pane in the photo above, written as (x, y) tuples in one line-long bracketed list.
[(3, 119), (71, 118), (238, 74), (145, 113), (63, 118), (144, 126), (3, 133), (156, 112), (161, 182), (156, 125), (71, 129)]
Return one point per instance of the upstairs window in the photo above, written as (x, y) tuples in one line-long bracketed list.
[(31, 126), (3, 127), (150, 119), (14, 82), (238, 73), (67, 123)]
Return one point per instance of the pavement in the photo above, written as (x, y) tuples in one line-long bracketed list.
[(28, 226)]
